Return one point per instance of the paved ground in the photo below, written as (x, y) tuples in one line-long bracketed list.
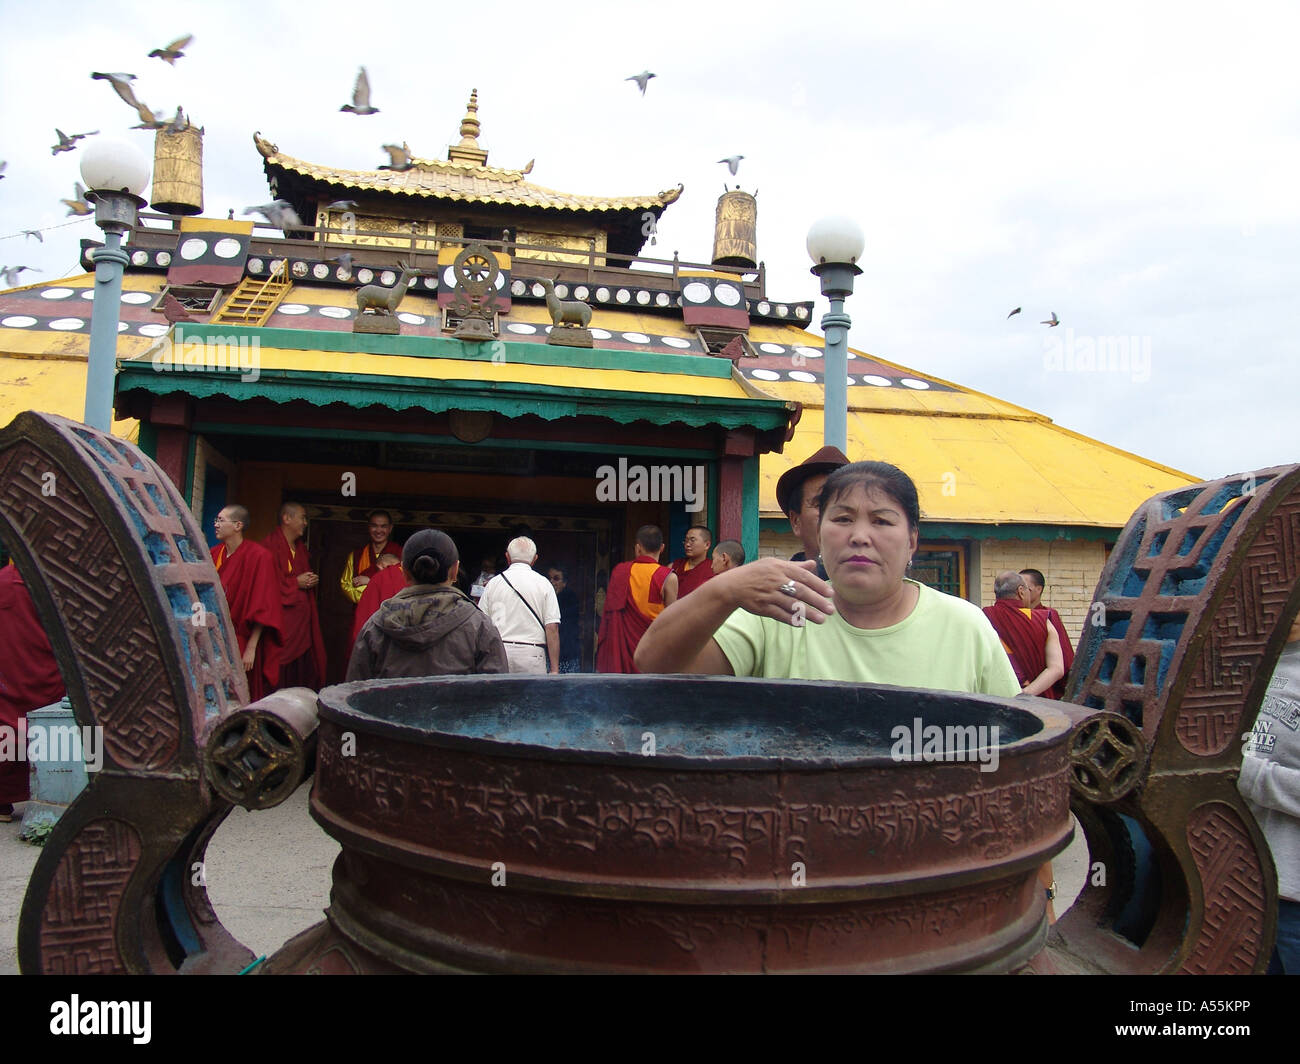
[(269, 876)]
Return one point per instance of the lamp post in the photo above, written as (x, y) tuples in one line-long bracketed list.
[(115, 174), (835, 244)]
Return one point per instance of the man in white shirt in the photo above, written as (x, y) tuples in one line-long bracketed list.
[(522, 605)]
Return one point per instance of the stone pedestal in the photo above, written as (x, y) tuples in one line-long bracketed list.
[(53, 784), (570, 336), (383, 324)]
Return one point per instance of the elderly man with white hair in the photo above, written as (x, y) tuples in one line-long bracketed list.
[(522, 605)]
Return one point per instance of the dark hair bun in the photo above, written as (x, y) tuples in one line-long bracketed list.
[(429, 555), (428, 570)]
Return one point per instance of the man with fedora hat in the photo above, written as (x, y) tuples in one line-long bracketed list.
[(796, 494)]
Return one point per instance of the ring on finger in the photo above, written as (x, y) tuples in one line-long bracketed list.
[(788, 588)]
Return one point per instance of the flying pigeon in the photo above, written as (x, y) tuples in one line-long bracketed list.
[(642, 80), (121, 85), (1051, 322), (342, 205), (69, 143), (36, 233), (1013, 313), (345, 260), (149, 119), (79, 205), (10, 273), (174, 51), (398, 158), (360, 104), (2, 169), (733, 163), (279, 213)]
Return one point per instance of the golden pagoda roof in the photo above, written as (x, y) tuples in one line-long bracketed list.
[(461, 181)]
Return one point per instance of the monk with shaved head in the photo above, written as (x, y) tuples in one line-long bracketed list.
[(304, 645), (252, 589)]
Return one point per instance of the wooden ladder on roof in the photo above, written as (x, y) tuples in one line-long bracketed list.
[(254, 301)]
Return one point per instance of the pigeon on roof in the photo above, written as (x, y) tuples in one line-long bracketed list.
[(360, 104), (173, 51), (733, 163), (69, 143), (642, 79), (1051, 322), (79, 205), (279, 213), (399, 159)]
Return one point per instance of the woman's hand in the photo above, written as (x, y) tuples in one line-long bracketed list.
[(681, 638), (785, 591)]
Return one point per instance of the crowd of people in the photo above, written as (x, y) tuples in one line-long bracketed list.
[(843, 608)]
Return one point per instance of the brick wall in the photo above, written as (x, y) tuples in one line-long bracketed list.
[(1071, 568), (771, 545)]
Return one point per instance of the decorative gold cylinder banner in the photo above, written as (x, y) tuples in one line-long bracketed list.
[(178, 172), (735, 233)]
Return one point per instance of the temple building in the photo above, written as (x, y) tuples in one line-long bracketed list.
[(246, 369)]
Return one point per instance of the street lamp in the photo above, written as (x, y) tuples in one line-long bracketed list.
[(835, 244), (115, 173)]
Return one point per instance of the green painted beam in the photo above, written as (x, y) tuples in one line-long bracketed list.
[(148, 439), (749, 507), (510, 399), (515, 352)]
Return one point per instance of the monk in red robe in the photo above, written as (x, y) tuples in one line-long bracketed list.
[(252, 588), (29, 679), (638, 592), (1030, 642), (303, 657), (694, 569), (385, 582), (1032, 596), (364, 562)]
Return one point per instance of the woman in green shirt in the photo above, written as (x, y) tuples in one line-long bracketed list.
[(870, 622)]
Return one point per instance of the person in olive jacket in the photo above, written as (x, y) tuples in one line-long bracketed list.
[(430, 627)]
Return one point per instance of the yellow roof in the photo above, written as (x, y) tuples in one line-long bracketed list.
[(52, 386), (462, 181), (986, 470), (44, 338)]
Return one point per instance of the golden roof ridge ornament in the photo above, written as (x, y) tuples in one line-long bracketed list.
[(468, 150)]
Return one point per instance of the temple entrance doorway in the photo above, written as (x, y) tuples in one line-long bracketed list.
[(577, 541)]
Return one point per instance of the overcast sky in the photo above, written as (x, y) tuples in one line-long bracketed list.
[(1130, 167)]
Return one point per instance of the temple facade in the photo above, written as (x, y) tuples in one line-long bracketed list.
[(251, 369)]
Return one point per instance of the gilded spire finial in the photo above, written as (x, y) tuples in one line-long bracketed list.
[(468, 150), (469, 125)]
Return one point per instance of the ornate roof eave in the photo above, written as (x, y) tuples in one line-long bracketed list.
[(458, 181)]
